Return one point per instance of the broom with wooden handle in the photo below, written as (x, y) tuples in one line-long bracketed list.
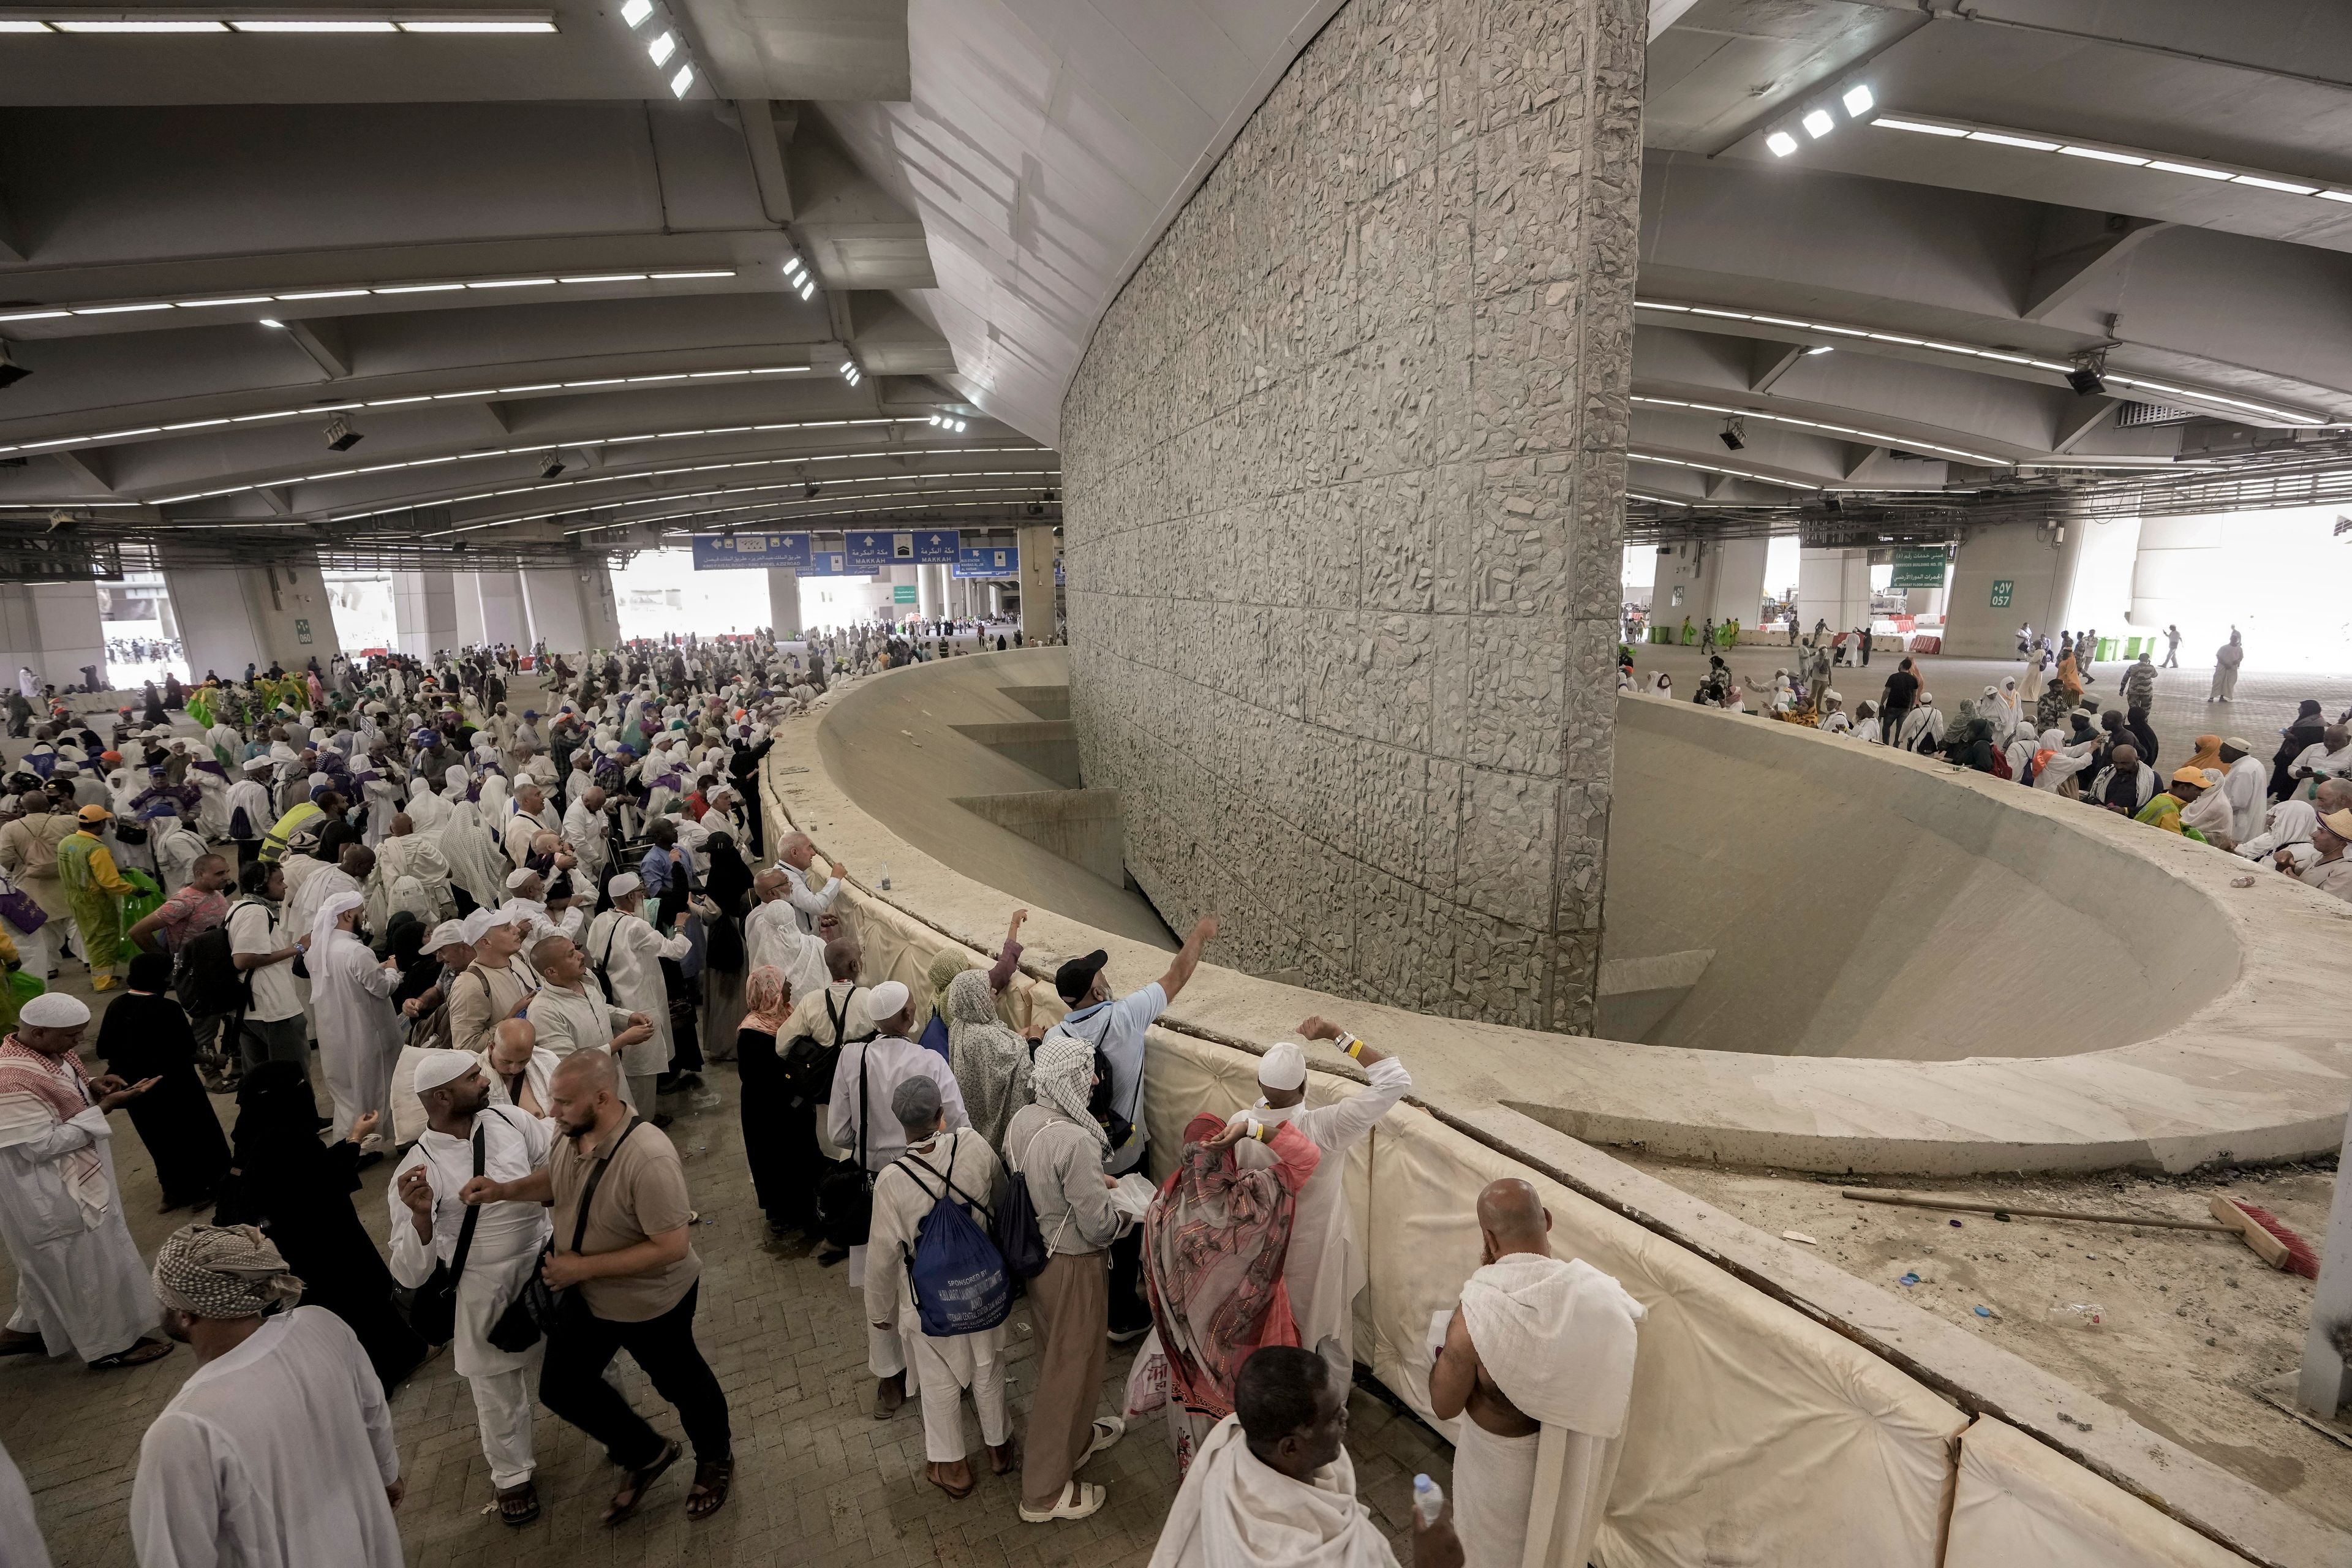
[(2260, 1230)]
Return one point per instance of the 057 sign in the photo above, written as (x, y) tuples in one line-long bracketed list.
[(2003, 589)]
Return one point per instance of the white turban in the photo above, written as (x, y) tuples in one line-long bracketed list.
[(53, 1010), (621, 886), (435, 1068), (887, 1000), (1283, 1067), (333, 909)]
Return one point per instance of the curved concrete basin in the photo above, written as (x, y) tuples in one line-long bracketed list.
[(1856, 906)]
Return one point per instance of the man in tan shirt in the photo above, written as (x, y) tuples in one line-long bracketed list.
[(630, 1259), (497, 986), (28, 853)]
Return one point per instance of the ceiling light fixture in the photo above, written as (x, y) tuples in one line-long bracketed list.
[(355, 290), (1818, 124), (665, 44), (2085, 378), (320, 25), (1781, 144), (470, 26), (1734, 435), (267, 322), (1858, 101), (341, 436), (2169, 390), (1821, 349), (682, 82), (635, 12), (144, 26), (2109, 153)]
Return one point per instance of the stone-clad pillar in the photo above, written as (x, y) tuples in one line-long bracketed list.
[(1344, 501)]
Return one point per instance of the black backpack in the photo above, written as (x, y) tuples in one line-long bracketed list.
[(207, 977), (845, 1193), (809, 1063)]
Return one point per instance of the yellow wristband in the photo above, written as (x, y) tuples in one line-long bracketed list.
[(1354, 1047)]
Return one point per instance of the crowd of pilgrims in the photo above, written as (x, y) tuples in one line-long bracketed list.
[(2046, 729), (498, 939)]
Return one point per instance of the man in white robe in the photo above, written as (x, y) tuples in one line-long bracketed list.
[(359, 1029), (624, 946), (1324, 1269), (793, 857), (278, 1449), (80, 1287), (426, 1219), (588, 831), (1273, 1486), (530, 817), (2246, 786), (1536, 1371), (410, 874)]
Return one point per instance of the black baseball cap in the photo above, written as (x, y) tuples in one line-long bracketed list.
[(1076, 978)]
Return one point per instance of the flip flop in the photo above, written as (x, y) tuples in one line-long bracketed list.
[(138, 1354), (933, 1471), (638, 1483), (709, 1494), (519, 1505)]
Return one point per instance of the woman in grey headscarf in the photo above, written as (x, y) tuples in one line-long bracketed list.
[(990, 1063)]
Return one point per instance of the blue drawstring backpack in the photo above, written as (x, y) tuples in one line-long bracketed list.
[(954, 1272)]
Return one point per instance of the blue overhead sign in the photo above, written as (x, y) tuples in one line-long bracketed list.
[(987, 561), (931, 547), (723, 552), (830, 563), (937, 547)]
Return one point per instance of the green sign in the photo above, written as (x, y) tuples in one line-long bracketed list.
[(1919, 566), (902, 593), (2002, 588), (302, 631)]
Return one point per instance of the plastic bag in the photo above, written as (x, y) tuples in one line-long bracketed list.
[(1146, 1380)]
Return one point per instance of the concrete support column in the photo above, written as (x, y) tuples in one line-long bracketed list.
[(2040, 568), (424, 612), (2322, 1383), (551, 600), (1833, 585), (784, 600), (232, 615), (1739, 581), (501, 609), (931, 592), (1038, 550), (54, 628)]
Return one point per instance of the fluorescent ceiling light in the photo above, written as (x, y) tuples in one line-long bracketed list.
[(722, 272), (237, 300), (636, 11), (2101, 155), (1821, 349), (665, 44), (682, 82), (419, 287), (1818, 124), (606, 278), (2202, 173), (514, 283), (319, 25), (267, 322), (2335, 195), (35, 315), (157, 26), (2028, 142), (324, 294), (807, 288), (1857, 101), (477, 26), (18, 25), (2288, 186), (1887, 122), (1781, 144), (116, 310)]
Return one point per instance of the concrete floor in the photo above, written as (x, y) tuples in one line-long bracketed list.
[(819, 1482), (2266, 702)]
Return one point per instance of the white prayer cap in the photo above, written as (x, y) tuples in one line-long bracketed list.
[(621, 886), (515, 879), (437, 1068), (887, 1000), (448, 933), (1284, 1066), (259, 764), (321, 781), (55, 1010), (1833, 696)]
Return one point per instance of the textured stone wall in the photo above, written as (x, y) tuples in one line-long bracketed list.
[(1343, 493)]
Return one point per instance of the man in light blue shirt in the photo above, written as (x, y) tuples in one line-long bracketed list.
[(1117, 1028)]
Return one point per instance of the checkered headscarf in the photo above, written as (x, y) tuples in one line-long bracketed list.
[(222, 1272)]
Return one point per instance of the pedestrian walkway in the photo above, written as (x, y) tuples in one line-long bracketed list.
[(819, 1484)]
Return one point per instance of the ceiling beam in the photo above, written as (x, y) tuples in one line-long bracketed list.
[(768, 129), (2075, 250), (1769, 360), (2077, 421), (89, 468), (322, 338)]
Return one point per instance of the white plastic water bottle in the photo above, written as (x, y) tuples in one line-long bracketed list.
[(886, 876), (1428, 1500)]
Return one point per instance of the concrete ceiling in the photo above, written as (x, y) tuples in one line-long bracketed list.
[(971, 181)]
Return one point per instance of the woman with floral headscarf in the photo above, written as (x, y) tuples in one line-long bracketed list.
[(990, 1063), (767, 1003)]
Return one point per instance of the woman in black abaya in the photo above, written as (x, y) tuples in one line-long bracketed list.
[(145, 1034)]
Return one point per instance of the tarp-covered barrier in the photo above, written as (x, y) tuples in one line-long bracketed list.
[(2021, 1504)]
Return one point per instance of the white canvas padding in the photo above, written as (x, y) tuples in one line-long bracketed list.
[(2020, 1503)]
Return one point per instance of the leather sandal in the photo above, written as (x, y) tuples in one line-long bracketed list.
[(633, 1491), (712, 1479), (1000, 1456), (138, 1354), (518, 1504), (937, 1474)]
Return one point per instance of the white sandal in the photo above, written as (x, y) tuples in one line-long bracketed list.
[(1078, 1500), (1108, 1429)]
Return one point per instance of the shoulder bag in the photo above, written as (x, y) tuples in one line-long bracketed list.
[(545, 1307), (845, 1195), (433, 1306)]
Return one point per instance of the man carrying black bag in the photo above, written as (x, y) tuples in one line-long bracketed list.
[(465, 1136), (625, 1277)]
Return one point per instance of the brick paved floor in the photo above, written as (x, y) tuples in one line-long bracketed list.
[(819, 1483)]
